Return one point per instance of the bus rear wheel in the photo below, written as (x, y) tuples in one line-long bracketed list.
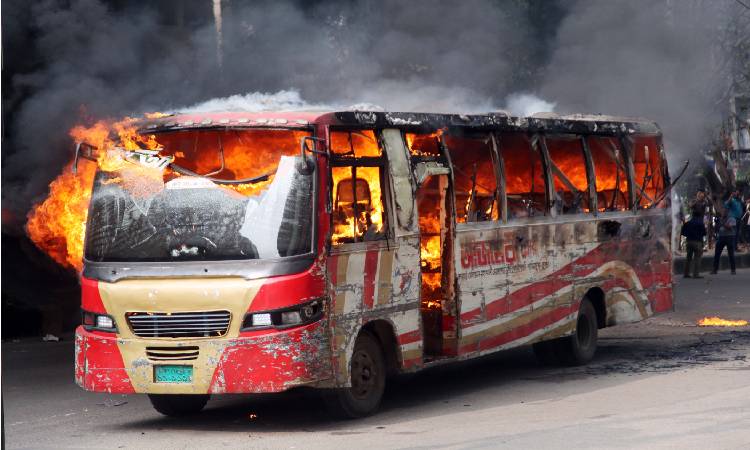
[(178, 405), (577, 349), (367, 371)]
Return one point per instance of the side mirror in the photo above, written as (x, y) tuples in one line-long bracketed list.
[(85, 151), (306, 165)]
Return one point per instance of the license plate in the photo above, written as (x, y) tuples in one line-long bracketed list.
[(173, 374)]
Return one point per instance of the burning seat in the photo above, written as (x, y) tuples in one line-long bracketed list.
[(354, 204)]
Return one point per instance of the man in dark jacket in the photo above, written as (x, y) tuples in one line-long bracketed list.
[(699, 204), (694, 231)]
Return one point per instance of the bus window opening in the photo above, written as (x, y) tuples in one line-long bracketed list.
[(475, 182), (424, 144), (648, 177), (568, 166), (610, 172), (524, 177), (354, 144), (357, 195)]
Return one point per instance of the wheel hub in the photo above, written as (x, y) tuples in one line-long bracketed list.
[(363, 379)]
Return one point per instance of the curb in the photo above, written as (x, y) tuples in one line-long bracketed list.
[(742, 260)]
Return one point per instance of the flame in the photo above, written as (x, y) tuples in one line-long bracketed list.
[(432, 304), (429, 252), (430, 244), (424, 144), (155, 115), (719, 322), (58, 224)]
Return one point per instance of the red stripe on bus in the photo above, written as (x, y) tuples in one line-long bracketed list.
[(91, 300), (520, 331), (371, 269), (333, 265), (409, 337), (581, 267)]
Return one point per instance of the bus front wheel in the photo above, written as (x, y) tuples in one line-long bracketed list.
[(367, 376), (577, 349), (178, 405)]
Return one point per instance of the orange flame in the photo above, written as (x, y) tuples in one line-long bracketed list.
[(155, 115), (420, 144), (57, 225), (719, 322)]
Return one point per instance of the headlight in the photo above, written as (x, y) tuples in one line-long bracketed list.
[(287, 317), (261, 320), (101, 322)]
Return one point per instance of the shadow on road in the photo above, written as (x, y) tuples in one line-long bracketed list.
[(514, 375)]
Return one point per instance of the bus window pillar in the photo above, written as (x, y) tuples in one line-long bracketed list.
[(541, 143)]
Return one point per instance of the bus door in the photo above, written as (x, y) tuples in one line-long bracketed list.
[(434, 200), (432, 197)]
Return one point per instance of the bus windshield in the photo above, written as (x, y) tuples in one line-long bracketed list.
[(225, 194)]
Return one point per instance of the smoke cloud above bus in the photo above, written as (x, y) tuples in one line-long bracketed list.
[(82, 60)]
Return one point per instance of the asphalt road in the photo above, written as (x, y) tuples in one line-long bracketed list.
[(662, 383)]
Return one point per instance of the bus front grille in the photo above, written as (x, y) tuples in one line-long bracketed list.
[(172, 353), (180, 324)]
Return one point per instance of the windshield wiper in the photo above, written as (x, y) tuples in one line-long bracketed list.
[(183, 171), (86, 151)]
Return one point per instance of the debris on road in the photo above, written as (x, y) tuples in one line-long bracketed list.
[(111, 402)]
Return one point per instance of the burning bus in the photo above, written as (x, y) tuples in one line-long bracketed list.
[(257, 252)]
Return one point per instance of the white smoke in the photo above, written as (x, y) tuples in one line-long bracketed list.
[(430, 99), (424, 99), (285, 100), (523, 104)]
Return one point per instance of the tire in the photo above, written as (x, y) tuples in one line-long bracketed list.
[(178, 405), (577, 349), (367, 371)]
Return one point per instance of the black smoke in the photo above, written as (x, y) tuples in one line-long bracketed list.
[(72, 61)]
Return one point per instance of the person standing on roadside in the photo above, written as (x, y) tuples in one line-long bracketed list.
[(694, 231), (727, 226), (734, 206), (699, 204)]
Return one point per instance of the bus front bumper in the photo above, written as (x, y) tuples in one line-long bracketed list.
[(271, 361)]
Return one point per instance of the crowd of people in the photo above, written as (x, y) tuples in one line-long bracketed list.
[(726, 227)]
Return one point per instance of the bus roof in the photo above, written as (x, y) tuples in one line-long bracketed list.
[(501, 121)]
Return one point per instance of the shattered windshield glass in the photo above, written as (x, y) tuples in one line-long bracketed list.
[(228, 194)]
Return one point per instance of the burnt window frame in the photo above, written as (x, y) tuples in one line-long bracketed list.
[(497, 166), (443, 158), (628, 143), (628, 169), (381, 162), (588, 167), (534, 139)]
